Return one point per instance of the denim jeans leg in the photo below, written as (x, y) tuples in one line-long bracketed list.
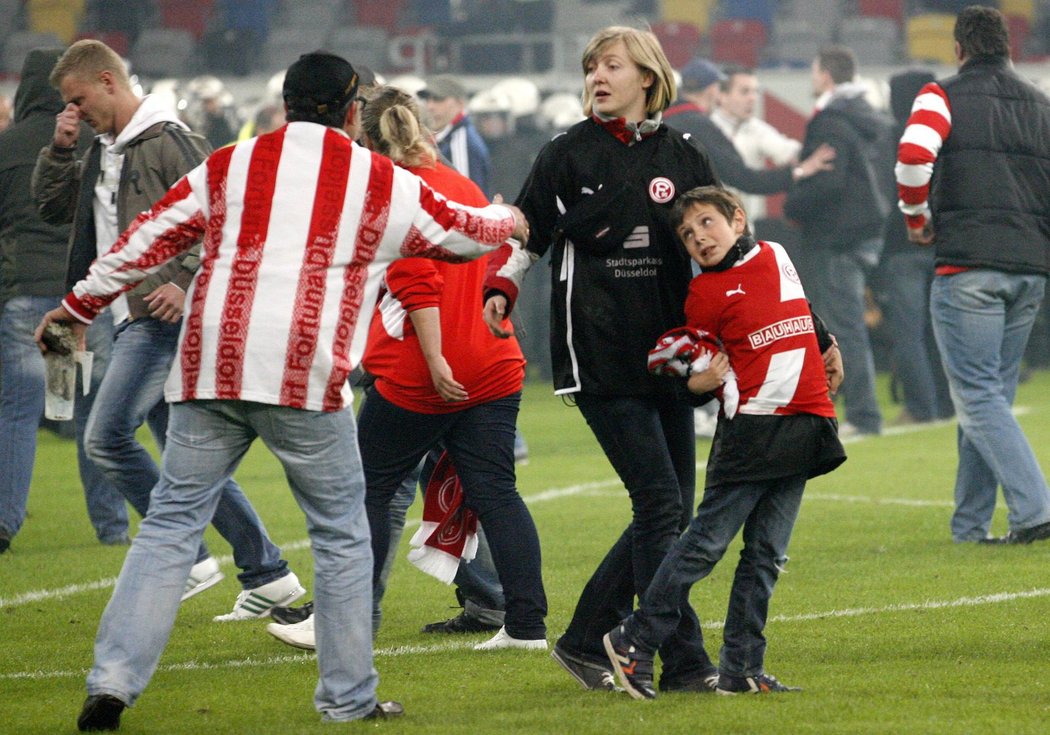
[(982, 319), (649, 442), (318, 451), (205, 444), (908, 317), (477, 583), (133, 384), (392, 442), (720, 516), (839, 301), (21, 405), (767, 532), (398, 509), (481, 444)]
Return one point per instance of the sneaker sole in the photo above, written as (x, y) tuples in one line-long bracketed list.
[(273, 630), (618, 672), (264, 607), (567, 664), (204, 584)]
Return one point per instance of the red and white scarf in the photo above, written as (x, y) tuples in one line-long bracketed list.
[(449, 531)]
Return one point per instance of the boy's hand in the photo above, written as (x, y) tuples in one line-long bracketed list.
[(833, 368), (708, 380)]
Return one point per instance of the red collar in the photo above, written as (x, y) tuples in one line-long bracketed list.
[(619, 130)]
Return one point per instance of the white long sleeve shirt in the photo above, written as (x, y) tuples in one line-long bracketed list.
[(298, 227)]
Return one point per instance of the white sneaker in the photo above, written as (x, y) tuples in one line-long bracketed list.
[(502, 640), (299, 635), (203, 574), (259, 601)]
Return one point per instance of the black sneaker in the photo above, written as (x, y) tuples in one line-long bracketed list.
[(385, 710), (292, 615), (700, 684), (100, 712), (761, 684), (462, 623), (591, 672), (633, 668), (1028, 535)]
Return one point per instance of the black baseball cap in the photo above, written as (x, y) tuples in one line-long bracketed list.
[(319, 82)]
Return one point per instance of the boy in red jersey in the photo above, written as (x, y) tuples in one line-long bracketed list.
[(784, 432)]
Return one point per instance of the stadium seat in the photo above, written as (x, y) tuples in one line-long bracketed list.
[(1022, 8), (382, 13), (679, 40), (930, 38), (697, 12), (116, 40), (1020, 29), (59, 17), (875, 41), (285, 45), (366, 45), (310, 14), (882, 9), (187, 15), (798, 41), (760, 10), (738, 41), (163, 52), (19, 43)]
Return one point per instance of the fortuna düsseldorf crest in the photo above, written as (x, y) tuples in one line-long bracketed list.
[(661, 190)]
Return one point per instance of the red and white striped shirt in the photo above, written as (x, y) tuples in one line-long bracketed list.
[(927, 129), (298, 227)]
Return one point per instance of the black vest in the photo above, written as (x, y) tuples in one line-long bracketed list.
[(990, 193)]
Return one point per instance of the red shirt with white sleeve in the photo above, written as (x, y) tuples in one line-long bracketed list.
[(486, 366)]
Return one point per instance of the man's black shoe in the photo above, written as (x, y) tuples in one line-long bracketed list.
[(5, 542), (591, 672), (462, 623), (761, 684), (633, 667), (699, 684), (1028, 535), (100, 712), (385, 710), (292, 615)]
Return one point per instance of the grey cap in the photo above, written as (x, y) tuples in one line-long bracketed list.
[(442, 87)]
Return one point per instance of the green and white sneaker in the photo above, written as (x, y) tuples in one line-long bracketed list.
[(259, 601), (203, 574)]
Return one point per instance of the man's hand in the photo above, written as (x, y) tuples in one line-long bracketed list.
[(494, 313), (921, 235), (706, 381), (819, 160), (67, 127), (833, 368), (166, 302), (60, 314)]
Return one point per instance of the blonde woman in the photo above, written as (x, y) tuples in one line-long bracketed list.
[(599, 199)]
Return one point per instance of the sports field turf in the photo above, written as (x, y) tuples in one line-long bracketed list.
[(887, 625)]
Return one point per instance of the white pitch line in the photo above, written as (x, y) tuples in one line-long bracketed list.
[(546, 495), (396, 651)]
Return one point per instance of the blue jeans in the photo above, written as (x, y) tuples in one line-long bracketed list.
[(480, 441), (838, 298), (649, 442), (206, 442), (132, 393), (922, 379), (767, 510), (982, 319), (21, 406), (477, 583)]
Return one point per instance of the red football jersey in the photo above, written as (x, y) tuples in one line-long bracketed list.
[(759, 311)]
